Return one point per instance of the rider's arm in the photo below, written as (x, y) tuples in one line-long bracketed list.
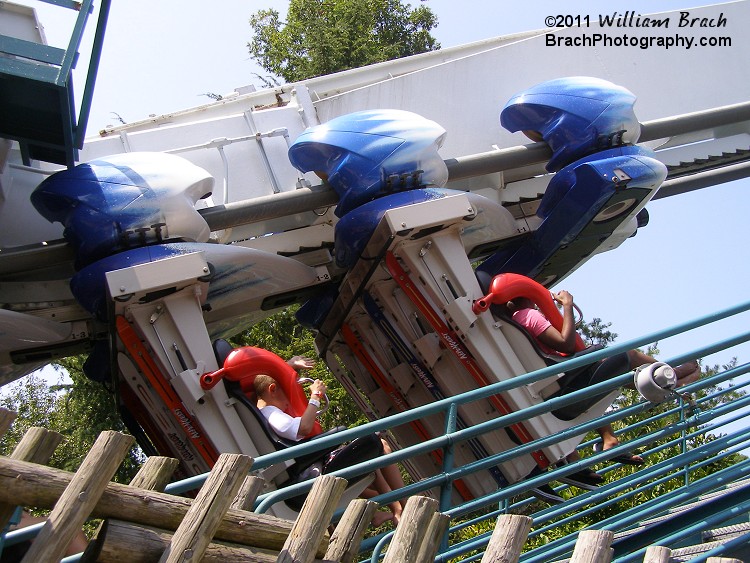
[(563, 340), (317, 389)]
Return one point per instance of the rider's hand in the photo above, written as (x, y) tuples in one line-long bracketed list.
[(301, 362), (318, 387), (564, 298)]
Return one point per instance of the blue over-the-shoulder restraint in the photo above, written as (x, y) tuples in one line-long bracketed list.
[(582, 206), (125, 201), (368, 154), (576, 116)]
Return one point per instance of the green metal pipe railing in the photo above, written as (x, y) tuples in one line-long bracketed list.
[(712, 381), (480, 542), (655, 506), (615, 492), (91, 74), (713, 513), (468, 433), (723, 549), (643, 483), (564, 546), (603, 496)]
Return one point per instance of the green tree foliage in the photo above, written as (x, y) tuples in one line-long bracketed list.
[(597, 332), (325, 36), (80, 411)]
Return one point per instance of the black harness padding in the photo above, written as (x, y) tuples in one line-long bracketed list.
[(591, 375)]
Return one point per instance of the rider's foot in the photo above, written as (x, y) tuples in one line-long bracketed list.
[(627, 458), (381, 518), (547, 494), (586, 479), (687, 373)]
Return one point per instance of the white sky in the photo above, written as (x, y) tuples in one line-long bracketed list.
[(691, 260)]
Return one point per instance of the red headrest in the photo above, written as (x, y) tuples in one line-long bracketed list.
[(506, 287), (243, 364)]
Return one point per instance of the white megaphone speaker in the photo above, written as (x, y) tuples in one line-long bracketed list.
[(655, 382)]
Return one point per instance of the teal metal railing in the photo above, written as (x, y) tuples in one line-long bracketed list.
[(586, 504), (37, 105), (687, 427), (691, 420)]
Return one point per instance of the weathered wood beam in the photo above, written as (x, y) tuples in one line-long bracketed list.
[(30, 484)]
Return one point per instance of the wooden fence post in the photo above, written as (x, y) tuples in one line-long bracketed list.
[(36, 446), (411, 529), (346, 538), (155, 473), (433, 536), (313, 519), (508, 537), (593, 546), (723, 560), (6, 420), (199, 525), (125, 542), (80, 497), (657, 554), (249, 491)]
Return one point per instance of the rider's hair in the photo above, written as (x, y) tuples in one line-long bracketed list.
[(261, 383)]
